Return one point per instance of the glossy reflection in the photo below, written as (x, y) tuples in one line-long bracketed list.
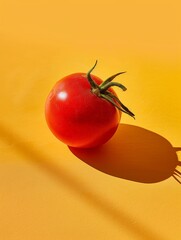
[(134, 153), (62, 95)]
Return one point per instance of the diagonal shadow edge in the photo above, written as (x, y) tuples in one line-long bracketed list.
[(40, 160)]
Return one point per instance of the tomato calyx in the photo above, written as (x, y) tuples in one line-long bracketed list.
[(102, 91)]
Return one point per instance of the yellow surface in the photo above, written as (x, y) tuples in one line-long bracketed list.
[(47, 192)]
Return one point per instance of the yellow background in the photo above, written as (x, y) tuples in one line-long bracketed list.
[(46, 192)]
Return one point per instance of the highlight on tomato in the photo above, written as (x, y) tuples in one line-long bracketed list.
[(84, 111)]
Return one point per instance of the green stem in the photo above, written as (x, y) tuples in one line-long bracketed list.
[(109, 99), (110, 79), (121, 104), (93, 84), (102, 91), (112, 84)]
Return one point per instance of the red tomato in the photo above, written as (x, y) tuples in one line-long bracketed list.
[(79, 115)]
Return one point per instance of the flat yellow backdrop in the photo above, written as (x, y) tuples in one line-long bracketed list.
[(46, 191)]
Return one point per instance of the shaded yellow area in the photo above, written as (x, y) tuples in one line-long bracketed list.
[(127, 189), (134, 154)]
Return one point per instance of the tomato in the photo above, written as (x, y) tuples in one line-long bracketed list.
[(83, 111)]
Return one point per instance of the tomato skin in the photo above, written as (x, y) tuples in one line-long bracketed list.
[(78, 117)]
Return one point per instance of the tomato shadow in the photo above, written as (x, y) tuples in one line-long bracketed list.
[(135, 154)]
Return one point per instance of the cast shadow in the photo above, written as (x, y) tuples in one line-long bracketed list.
[(135, 154)]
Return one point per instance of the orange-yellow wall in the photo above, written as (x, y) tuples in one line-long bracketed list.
[(48, 192)]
